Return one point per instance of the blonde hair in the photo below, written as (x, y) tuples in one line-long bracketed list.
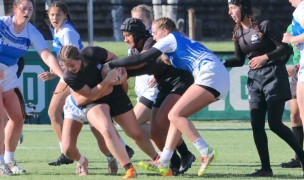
[(165, 23), (68, 53), (145, 10)]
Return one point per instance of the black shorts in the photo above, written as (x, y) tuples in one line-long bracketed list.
[(293, 86), (118, 101), (147, 102), (268, 84), (176, 85)]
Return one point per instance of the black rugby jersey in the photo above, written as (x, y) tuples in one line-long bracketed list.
[(248, 44), (90, 73)]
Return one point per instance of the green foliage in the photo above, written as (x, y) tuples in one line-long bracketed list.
[(232, 139)]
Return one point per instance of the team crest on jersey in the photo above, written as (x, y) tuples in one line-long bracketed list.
[(99, 66), (254, 39)]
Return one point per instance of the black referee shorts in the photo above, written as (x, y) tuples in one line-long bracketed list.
[(268, 84)]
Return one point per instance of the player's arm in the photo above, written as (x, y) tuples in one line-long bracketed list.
[(135, 59), (100, 89)]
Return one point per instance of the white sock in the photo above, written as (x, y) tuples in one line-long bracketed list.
[(201, 146), (122, 141), (81, 160), (2, 159), (60, 147), (9, 156), (166, 156)]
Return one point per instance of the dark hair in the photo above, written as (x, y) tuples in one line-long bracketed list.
[(246, 10), (63, 7), (69, 53), (245, 6)]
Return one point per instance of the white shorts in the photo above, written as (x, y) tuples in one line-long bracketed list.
[(142, 88), (301, 71), (10, 80), (214, 75), (71, 111)]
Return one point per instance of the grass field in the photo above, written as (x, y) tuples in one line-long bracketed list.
[(232, 139)]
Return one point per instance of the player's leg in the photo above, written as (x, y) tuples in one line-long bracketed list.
[(55, 113)]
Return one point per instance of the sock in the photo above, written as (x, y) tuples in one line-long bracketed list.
[(298, 133), (60, 147), (81, 160), (122, 141), (183, 149), (2, 159), (201, 146), (165, 157), (9, 156), (128, 166)]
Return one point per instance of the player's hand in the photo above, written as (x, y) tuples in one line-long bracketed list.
[(45, 76), (287, 38), (123, 76), (152, 82), (257, 62), (113, 75), (291, 71)]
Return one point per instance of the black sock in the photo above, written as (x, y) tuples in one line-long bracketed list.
[(183, 149), (298, 133), (175, 160), (128, 166)]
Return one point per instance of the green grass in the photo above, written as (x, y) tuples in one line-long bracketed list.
[(232, 139)]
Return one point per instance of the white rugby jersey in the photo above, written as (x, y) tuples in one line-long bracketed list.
[(67, 35), (13, 45), (185, 53)]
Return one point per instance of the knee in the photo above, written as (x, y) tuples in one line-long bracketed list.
[(173, 117), (275, 127)]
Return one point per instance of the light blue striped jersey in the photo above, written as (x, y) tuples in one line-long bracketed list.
[(67, 35), (13, 45), (185, 53), (298, 15)]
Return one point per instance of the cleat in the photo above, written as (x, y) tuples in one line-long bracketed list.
[(61, 160), (155, 166), (293, 163), (112, 165), (82, 170), (186, 162), (174, 170), (15, 169), (130, 151), (261, 173), (170, 173), (5, 171), (131, 173), (206, 161)]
